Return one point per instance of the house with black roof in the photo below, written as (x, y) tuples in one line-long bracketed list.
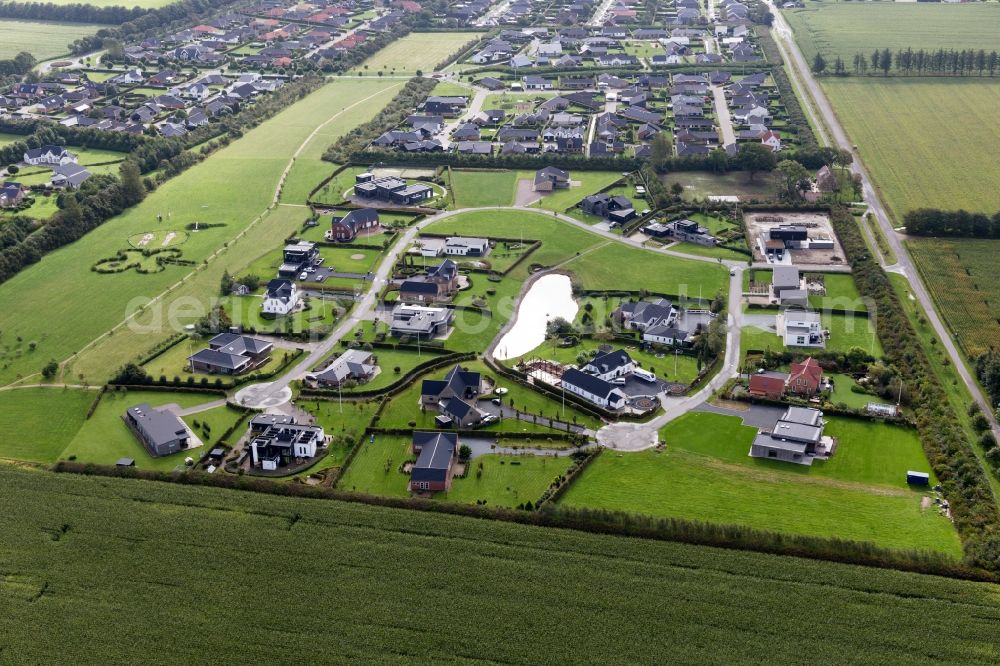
[(439, 283), (231, 354), (611, 365), (458, 383), (419, 321), (437, 453), (345, 228), (354, 365), (797, 437), (284, 443), (160, 431), (591, 388)]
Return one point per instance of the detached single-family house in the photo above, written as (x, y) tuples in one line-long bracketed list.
[(69, 176), (797, 437), (805, 378), (419, 321), (160, 431), (49, 156), (231, 354), (354, 365), (283, 443), (596, 390), (611, 365), (550, 178), (466, 247), (802, 328), (438, 283), (11, 194), (769, 385), (346, 228), (436, 454), (281, 297)]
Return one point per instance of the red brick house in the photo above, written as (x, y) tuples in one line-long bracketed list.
[(805, 378), (436, 454), (770, 387)]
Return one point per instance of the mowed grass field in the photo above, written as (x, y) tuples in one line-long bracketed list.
[(961, 276), (418, 51), (473, 189), (39, 422), (231, 188), (846, 28), (128, 568), (42, 39), (705, 473), (927, 142)]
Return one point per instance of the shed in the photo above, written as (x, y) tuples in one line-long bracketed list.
[(125, 462), (918, 478), (217, 453)]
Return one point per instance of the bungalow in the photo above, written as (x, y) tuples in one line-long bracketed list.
[(537, 83), (594, 389), (419, 321), (11, 194), (611, 365), (231, 354), (457, 383), (616, 209), (283, 443), (550, 178), (160, 431), (49, 156), (436, 454), (280, 298), (670, 336), (797, 437), (644, 315), (805, 378), (353, 365), (69, 176), (345, 228), (466, 247), (446, 106), (491, 83)]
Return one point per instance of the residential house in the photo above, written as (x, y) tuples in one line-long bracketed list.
[(69, 176), (805, 378), (591, 388), (438, 283), (770, 386), (346, 228), (466, 247), (49, 156), (296, 257), (797, 437), (281, 297), (284, 443), (11, 194), (772, 140), (691, 232), (446, 106), (611, 365), (801, 328), (231, 354), (160, 431), (436, 454), (393, 190), (617, 209), (826, 180), (457, 383), (537, 83), (550, 178), (419, 321), (354, 365)]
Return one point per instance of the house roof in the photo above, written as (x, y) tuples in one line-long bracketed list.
[(219, 359), (588, 383), (231, 343), (610, 361), (437, 450), (157, 426), (767, 384), (808, 368)]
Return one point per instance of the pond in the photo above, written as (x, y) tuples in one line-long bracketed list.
[(551, 296)]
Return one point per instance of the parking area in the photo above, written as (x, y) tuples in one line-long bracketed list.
[(321, 274)]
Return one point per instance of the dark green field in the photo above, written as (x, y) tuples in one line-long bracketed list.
[(97, 570)]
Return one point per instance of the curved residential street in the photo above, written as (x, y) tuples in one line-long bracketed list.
[(819, 104)]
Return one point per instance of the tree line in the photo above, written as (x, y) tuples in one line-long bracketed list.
[(74, 13), (960, 223), (907, 62), (948, 449)]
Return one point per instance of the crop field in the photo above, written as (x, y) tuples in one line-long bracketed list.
[(896, 124), (45, 420), (421, 51), (42, 39), (104, 437), (95, 303), (473, 189), (705, 474), (846, 28), (961, 276), (103, 560)]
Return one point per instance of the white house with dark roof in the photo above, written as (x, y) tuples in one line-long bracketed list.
[(353, 365), (49, 156), (466, 247), (596, 390), (611, 365), (281, 297)]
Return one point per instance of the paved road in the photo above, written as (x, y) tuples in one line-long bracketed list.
[(492, 16), (904, 266), (598, 17), (722, 114)]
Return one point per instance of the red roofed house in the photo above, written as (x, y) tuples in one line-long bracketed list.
[(771, 139), (805, 377), (408, 6), (767, 386), (282, 62)]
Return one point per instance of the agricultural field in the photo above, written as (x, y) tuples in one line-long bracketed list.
[(42, 39), (418, 51), (704, 473), (846, 28), (95, 303), (116, 563), (45, 420), (104, 437), (896, 123), (960, 275)]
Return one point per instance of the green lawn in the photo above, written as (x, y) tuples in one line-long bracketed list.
[(474, 189), (842, 392), (104, 437), (42, 39), (846, 28), (39, 422), (388, 360), (319, 316), (895, 123), (705, 474), (344, 420), (582, 184), (846, 331), (841, 293), (418, 51), (504, 480), (699, 185), (95, 303), (174, 362)]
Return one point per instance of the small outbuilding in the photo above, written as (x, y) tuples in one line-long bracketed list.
[(918, 478)]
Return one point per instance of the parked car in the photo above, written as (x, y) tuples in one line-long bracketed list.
[(644, 375), (303, 275), (496, 401), (618, 381)]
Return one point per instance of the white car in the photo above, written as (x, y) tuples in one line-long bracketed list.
[(500, 391), (644, 375), (303, 275), (618, 381)]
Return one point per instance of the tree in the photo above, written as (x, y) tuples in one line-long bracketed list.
[(819, 64), (464, 452), (756, 157), (13, 169), (660, 149), (792, 179), (50, 369), (677, 190), (133, 191)]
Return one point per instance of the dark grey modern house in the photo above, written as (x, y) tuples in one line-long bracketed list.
[(161, 432)]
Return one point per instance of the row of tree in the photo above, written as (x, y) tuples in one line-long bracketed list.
[(950, 62), (962, 478), (71, 13), (962, 223)]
